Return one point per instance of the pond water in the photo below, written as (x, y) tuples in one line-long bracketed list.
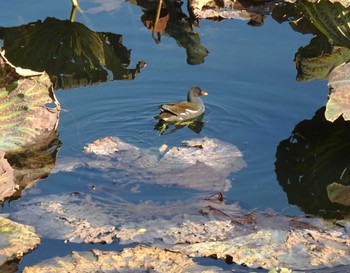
[(254, 99)]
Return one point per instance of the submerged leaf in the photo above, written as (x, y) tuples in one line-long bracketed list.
[(93, 219), (201, 164), (254, 239)]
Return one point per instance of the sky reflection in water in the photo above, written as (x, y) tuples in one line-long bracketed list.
[(254, 100)]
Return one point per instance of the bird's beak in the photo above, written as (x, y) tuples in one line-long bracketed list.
[(203, 93)]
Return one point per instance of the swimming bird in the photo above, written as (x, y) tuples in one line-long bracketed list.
[(184, 110)]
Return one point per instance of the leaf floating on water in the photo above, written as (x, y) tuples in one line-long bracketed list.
[(223, 157), (7, 184), (90, 219), (339, 193), (29, 115), (205, 168), (139, 259), (15, 239), (339, 98), (257, 240), (25, 120)]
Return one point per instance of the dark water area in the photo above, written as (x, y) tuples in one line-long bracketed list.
[(254, 100)]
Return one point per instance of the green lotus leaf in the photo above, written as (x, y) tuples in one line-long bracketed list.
[(72, 54), (316, 60), (331, 19)]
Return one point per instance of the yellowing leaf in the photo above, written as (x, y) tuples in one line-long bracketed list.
[(24, 117)]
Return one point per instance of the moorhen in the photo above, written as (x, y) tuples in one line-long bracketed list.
[(184, 110)]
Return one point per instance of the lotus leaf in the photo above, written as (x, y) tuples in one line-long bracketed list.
[(16, 239), (138, 259), (257, 240), (331, 19), (25, 119), (339, 193), (339, 98), (7, 181), (29, 114), (72, 54), (316, 60)]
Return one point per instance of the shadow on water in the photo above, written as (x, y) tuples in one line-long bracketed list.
[(195, 125), (316, 154)]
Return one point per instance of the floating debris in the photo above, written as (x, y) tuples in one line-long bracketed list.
[(16, 240), (138, 259)]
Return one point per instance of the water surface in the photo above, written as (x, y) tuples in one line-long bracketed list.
[(254, 99)]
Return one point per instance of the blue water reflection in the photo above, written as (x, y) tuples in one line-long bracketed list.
[(254, 101)]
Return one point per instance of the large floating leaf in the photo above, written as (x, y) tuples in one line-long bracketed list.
[(202, 164), (72, 54), (224, 230), (138, 259), (29, 115), (339, 98), (24, 117)]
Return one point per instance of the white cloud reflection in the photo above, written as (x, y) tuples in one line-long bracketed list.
[(104, 6)]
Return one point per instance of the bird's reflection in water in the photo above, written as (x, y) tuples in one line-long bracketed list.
[(196, 125)]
